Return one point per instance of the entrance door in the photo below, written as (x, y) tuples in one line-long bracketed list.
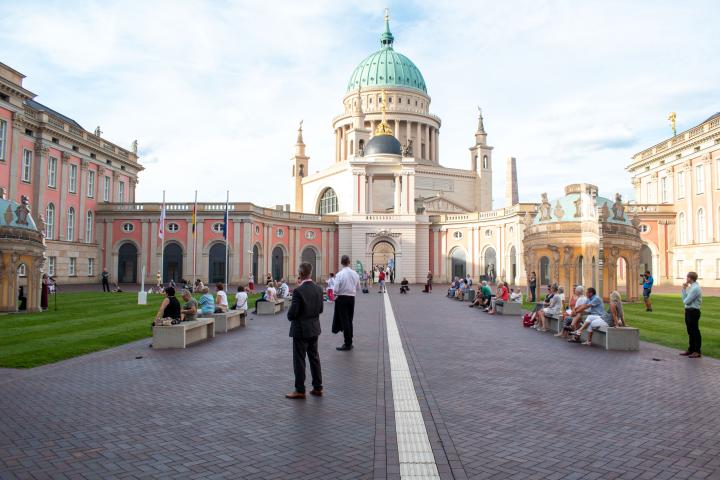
[(458, 263), (277, 263), (216, 272), (127, 264), (172, 263), (383, 255), (308, 255), (255, 262)]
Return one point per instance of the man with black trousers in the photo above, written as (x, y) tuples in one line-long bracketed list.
[(692, 299), (347, 283), (105, 283), (304, 316)]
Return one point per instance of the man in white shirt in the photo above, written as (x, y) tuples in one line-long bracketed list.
[(347, 283), (284, 290)]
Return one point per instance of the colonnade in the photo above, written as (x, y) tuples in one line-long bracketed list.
[(426, 149)]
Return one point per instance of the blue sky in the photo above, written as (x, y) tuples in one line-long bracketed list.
[(213, 91)]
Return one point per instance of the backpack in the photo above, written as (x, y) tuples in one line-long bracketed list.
[(527, 322)]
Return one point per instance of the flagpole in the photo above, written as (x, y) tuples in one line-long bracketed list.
[(162, 246), (227, 235), (194, 228)]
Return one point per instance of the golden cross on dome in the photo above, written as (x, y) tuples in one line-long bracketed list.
[(387, 14)]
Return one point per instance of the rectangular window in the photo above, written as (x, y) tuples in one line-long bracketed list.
[(664, 189), (698, 267), (51, 266), (73, 264), (106, 189), (72, 187), (681, 184), (3, 139), (699, 179), (648, 193), (717, 173), (52, 172), (27, 165), (121, 192), (679, 273), (91, 267), (91, 184)]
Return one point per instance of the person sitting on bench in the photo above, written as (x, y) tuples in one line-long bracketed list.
[(460, 292), (221, 301), (501, 295), (454, 285), (188, 312), (483, 296), (207, 304), (613, 317), (578, 304), (270, 295), (241, 298), (404, 285), (169, 308), (515, 296), (554, 309)]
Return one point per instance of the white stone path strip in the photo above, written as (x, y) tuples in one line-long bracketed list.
[(416, 457)]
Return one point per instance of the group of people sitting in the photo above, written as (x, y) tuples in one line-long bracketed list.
[(459, 286), (171, 312), (585, 311)]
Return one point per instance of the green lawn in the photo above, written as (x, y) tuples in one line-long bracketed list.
[(666, 323), (84, 322)]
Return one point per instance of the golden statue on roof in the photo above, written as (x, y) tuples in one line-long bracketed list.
[(383, 128)]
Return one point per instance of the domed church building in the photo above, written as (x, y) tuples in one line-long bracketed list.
[(387, 185)]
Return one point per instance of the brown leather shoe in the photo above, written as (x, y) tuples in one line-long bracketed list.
[(685, 353), (295, 396), (317, 393), (694, 355)]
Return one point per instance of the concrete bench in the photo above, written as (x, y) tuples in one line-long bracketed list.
[(230, 320), (469, 295), (287, 301), (508, 308), (183, 334), (554, 323), (615, 338), (270, 308)]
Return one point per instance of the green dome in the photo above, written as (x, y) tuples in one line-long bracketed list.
[(386, 68)]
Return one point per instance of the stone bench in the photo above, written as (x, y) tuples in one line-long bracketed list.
[(554, 323), (230, 320), (508, 308), (615, 338), (270, 308), (287, 301), (183, 334), (469, 295)]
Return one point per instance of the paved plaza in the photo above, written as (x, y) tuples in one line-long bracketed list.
[(497, 401)]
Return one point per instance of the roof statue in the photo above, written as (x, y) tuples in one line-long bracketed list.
[(134, 147), (383, 128), (300, 137), (98, 132), (481, 126), (673, 117)]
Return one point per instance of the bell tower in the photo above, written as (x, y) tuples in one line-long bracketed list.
[(299, 170), (481, 161)]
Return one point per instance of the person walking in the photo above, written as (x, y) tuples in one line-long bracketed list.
[(304, 317), (647, 284), (692, 299), (105, 280), (347, 283), (381, 281)]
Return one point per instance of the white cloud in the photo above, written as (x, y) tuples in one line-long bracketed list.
[(213, 91)]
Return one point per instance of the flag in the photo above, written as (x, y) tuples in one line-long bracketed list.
[(225, 222), (194, 218), (161, 232)]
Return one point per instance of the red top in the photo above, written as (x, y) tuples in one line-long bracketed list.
[(504, 293), (381, 276)]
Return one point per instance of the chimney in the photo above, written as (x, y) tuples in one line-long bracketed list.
[(511, 186)]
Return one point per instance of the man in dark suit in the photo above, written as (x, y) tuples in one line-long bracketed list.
[(304, 316)]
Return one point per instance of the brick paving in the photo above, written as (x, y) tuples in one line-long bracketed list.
[(517, 403), (498, 401)]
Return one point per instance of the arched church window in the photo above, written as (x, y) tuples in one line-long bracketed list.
[(301, 172), (485, 161), (328, 202)]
